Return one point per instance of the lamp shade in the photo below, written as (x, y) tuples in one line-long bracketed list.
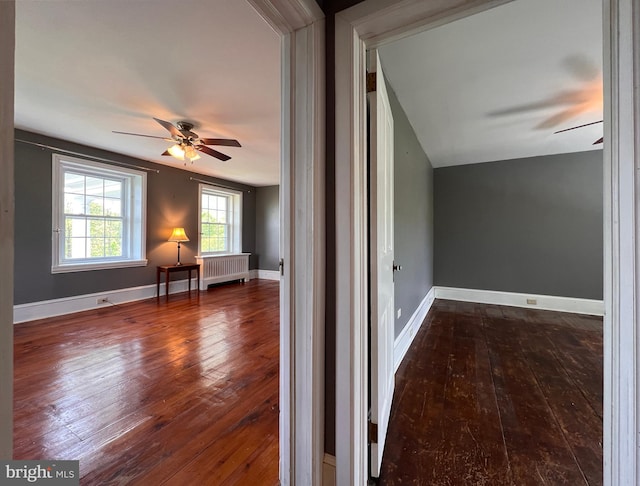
[(178, 235), (177, 151), (190, 153)]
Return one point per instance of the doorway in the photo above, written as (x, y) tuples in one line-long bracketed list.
[(368, 25), (301, 27)]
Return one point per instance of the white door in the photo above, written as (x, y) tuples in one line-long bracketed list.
[(381, 261)]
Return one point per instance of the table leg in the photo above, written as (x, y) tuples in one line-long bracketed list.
[(189, 280), (198, 277), (166, 283)]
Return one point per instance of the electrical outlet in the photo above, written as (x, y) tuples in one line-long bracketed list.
[(399, 313), (103, 300), (532, 301)]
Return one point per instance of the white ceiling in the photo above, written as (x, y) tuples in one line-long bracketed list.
[(495, 86), (85, 68)]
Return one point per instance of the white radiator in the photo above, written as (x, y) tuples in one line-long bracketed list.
[(223, 268)]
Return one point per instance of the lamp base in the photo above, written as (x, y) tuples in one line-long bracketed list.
[(178, 264)]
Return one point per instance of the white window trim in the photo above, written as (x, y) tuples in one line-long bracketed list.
[(137, 201), (236, 226)]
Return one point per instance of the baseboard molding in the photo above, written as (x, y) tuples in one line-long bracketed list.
[(542, 302), (265, 274), (79, 303), (405, 338), (328, 470)]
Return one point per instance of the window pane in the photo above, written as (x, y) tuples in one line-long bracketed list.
[(112, 207), (113, 229), (113, 189), (96, 247), (113, 247), (218, 244), (96, 228), (74, 204), (95, 186), (73, 183), (75, 227), (75, 248), (95, 206)]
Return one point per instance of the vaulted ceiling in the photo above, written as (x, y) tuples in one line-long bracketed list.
[(85, 68), (497, 85)]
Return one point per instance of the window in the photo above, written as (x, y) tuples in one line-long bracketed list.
[(98, 216), (220, 221)]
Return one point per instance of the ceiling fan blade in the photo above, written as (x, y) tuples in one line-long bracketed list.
[(141, 135), (173, 130), (227, 142), (600, 140), (579, 126), (560, 117), (213, 153), (529, 107)]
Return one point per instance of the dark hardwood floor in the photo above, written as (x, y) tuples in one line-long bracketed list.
[(491, 395), (155, 392)]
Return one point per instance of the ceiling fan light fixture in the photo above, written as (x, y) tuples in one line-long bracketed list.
[(176, 151), (191, 153), (187, 144)]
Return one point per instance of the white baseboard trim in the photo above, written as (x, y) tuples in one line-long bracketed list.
[(79, 303), (405, 338), (328, 470), (265, 274), (542, 302)]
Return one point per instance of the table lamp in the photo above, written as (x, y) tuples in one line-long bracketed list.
[(178, 236)]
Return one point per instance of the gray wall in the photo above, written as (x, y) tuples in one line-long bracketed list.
[(268, 227), (531, 225), (172, 200), (413, 217)]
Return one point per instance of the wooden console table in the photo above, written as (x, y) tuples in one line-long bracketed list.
[(169, 269)]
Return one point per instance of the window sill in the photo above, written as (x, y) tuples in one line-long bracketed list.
[(86, 267)]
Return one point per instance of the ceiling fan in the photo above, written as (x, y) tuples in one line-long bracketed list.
[(600, 140), (187, 144)]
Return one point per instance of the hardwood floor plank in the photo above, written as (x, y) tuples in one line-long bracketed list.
[(578, 422), (138, 391), (473, 434), (415, 432), (537, 453)]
